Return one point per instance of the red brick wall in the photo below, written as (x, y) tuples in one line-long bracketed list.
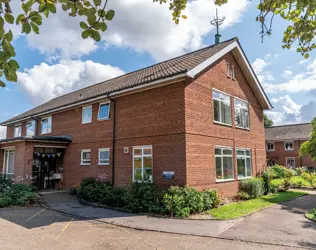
[(280, 154), (203, 133)]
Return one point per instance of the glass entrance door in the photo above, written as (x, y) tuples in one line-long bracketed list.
[(9, 157)]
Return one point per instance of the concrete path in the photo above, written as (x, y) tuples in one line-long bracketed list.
[(65, 203), (280, 225)]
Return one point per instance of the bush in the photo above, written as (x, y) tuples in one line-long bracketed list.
[(310, 178), (243, 195), (253, 187), (297, 184), (210, 199), (301, 170), (267, 185), (277, 171), (5, 201), (4, 183)]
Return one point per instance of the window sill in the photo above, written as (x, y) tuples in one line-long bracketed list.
[(245, 178), (103, 164), (227, 180), (270, 150), (103, 119), (85, 164), (289, 149), (224, 124), (83, 123), (46, 133), (248, 129)]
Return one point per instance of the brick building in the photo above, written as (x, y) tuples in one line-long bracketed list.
[(196, 119), (283, 144)]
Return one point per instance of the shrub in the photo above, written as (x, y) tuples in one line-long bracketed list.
[(297, 184), (301, 170), (310, 178), (210, 199), (4, 183), (253, 187), (5, 201), (278, 171), (88, 181), (243, 195), (267, 185)]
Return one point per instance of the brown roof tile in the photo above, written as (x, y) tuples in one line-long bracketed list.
[(158, 71), (288, 132)]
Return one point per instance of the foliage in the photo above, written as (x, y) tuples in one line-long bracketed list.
[(253, 187), (267, 185), (297, 184), (267, 122), (4, 183), (295, 180), (243, 195), (242, 208), (309, 147), (311, 214), (301, 170), (310, 178)]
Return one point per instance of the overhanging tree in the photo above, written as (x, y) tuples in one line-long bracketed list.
[(309, 147), (267, 122), (301, 15)]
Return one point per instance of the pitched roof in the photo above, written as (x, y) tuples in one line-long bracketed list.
[(288, 132), (171, 68)]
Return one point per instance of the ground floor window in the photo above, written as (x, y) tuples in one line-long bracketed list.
[(244, 167), (224, 163), (142, 163), (8, 163), (104, 156), (86, 157), (290, 162)]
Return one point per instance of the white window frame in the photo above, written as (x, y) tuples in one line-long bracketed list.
[(142, 156), (17, 126), (245, 156), (221, 156), (82, 116), (26, 126), (247, 103), (228, 72), (289, 158), (51, 126), (269, 150), (108, 115), (291, 149), (6, 162), (233, 72), (82, 160), (99, 157), (220, 113)]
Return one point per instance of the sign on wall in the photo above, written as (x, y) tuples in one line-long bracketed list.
[(168, 175)]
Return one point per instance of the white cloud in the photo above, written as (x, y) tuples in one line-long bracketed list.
[(3, 131), (304, 81), (303, 61), (260, 64), (44, 82), (286, 111), (287, 73), (141, 25)]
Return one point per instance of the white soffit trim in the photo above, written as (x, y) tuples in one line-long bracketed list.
[(198, 69)]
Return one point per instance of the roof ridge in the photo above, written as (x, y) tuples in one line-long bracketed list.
[(173, 58), (288, 125)]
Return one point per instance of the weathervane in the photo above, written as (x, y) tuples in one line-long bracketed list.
[(217, 22)]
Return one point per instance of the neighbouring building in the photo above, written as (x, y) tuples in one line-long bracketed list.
[(196, 119), (283, 144)]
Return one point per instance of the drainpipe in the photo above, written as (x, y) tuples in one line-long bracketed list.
[(113, 139), (301, 160)]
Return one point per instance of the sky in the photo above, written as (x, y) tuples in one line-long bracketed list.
[(58, 60)]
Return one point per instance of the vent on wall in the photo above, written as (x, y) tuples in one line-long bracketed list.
[(126, 150)]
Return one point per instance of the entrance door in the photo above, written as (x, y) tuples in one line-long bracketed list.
[(8, 166)]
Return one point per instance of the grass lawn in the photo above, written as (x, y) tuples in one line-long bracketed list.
[(294, 179), (238, 209), (311, 214)]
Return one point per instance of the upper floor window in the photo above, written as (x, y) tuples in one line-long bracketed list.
[(222, 108), (17, 131), (46, 125), (228, 72), (288, 145), (224, 164), (87, 114), (104, 156), (241, 114), (270, 146), (30, 128), (104, 111), (244, 167)]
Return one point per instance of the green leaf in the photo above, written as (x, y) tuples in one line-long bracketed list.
[(37, 19), (26, 6), (109, 15), (1, 22), (19, 18), (95, 35), (100, 26), (83, 25), (7, 47), (51, 7), (14, 64), (9, 36), (97, 2), (2, 84), (9, 18), (35, 28), (85, 34), (306, 56), (92, 19), (10, 75), (26, 28)]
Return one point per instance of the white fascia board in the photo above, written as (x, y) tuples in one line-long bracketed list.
[(202, 66)]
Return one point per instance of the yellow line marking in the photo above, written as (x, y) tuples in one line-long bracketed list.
[(64, 229), (35, 215)]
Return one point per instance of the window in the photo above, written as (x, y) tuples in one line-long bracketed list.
[(86, 114), (8, 166), (104, 111), (222, 110), (17, 131), (241, 114), (30, 128), (233, 73), (224, 164), (46, 125), (244, 167), (290, 162), (228, 70), (142, 164), (86, 157), (270, 146), (288, 146), (104, 156)]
